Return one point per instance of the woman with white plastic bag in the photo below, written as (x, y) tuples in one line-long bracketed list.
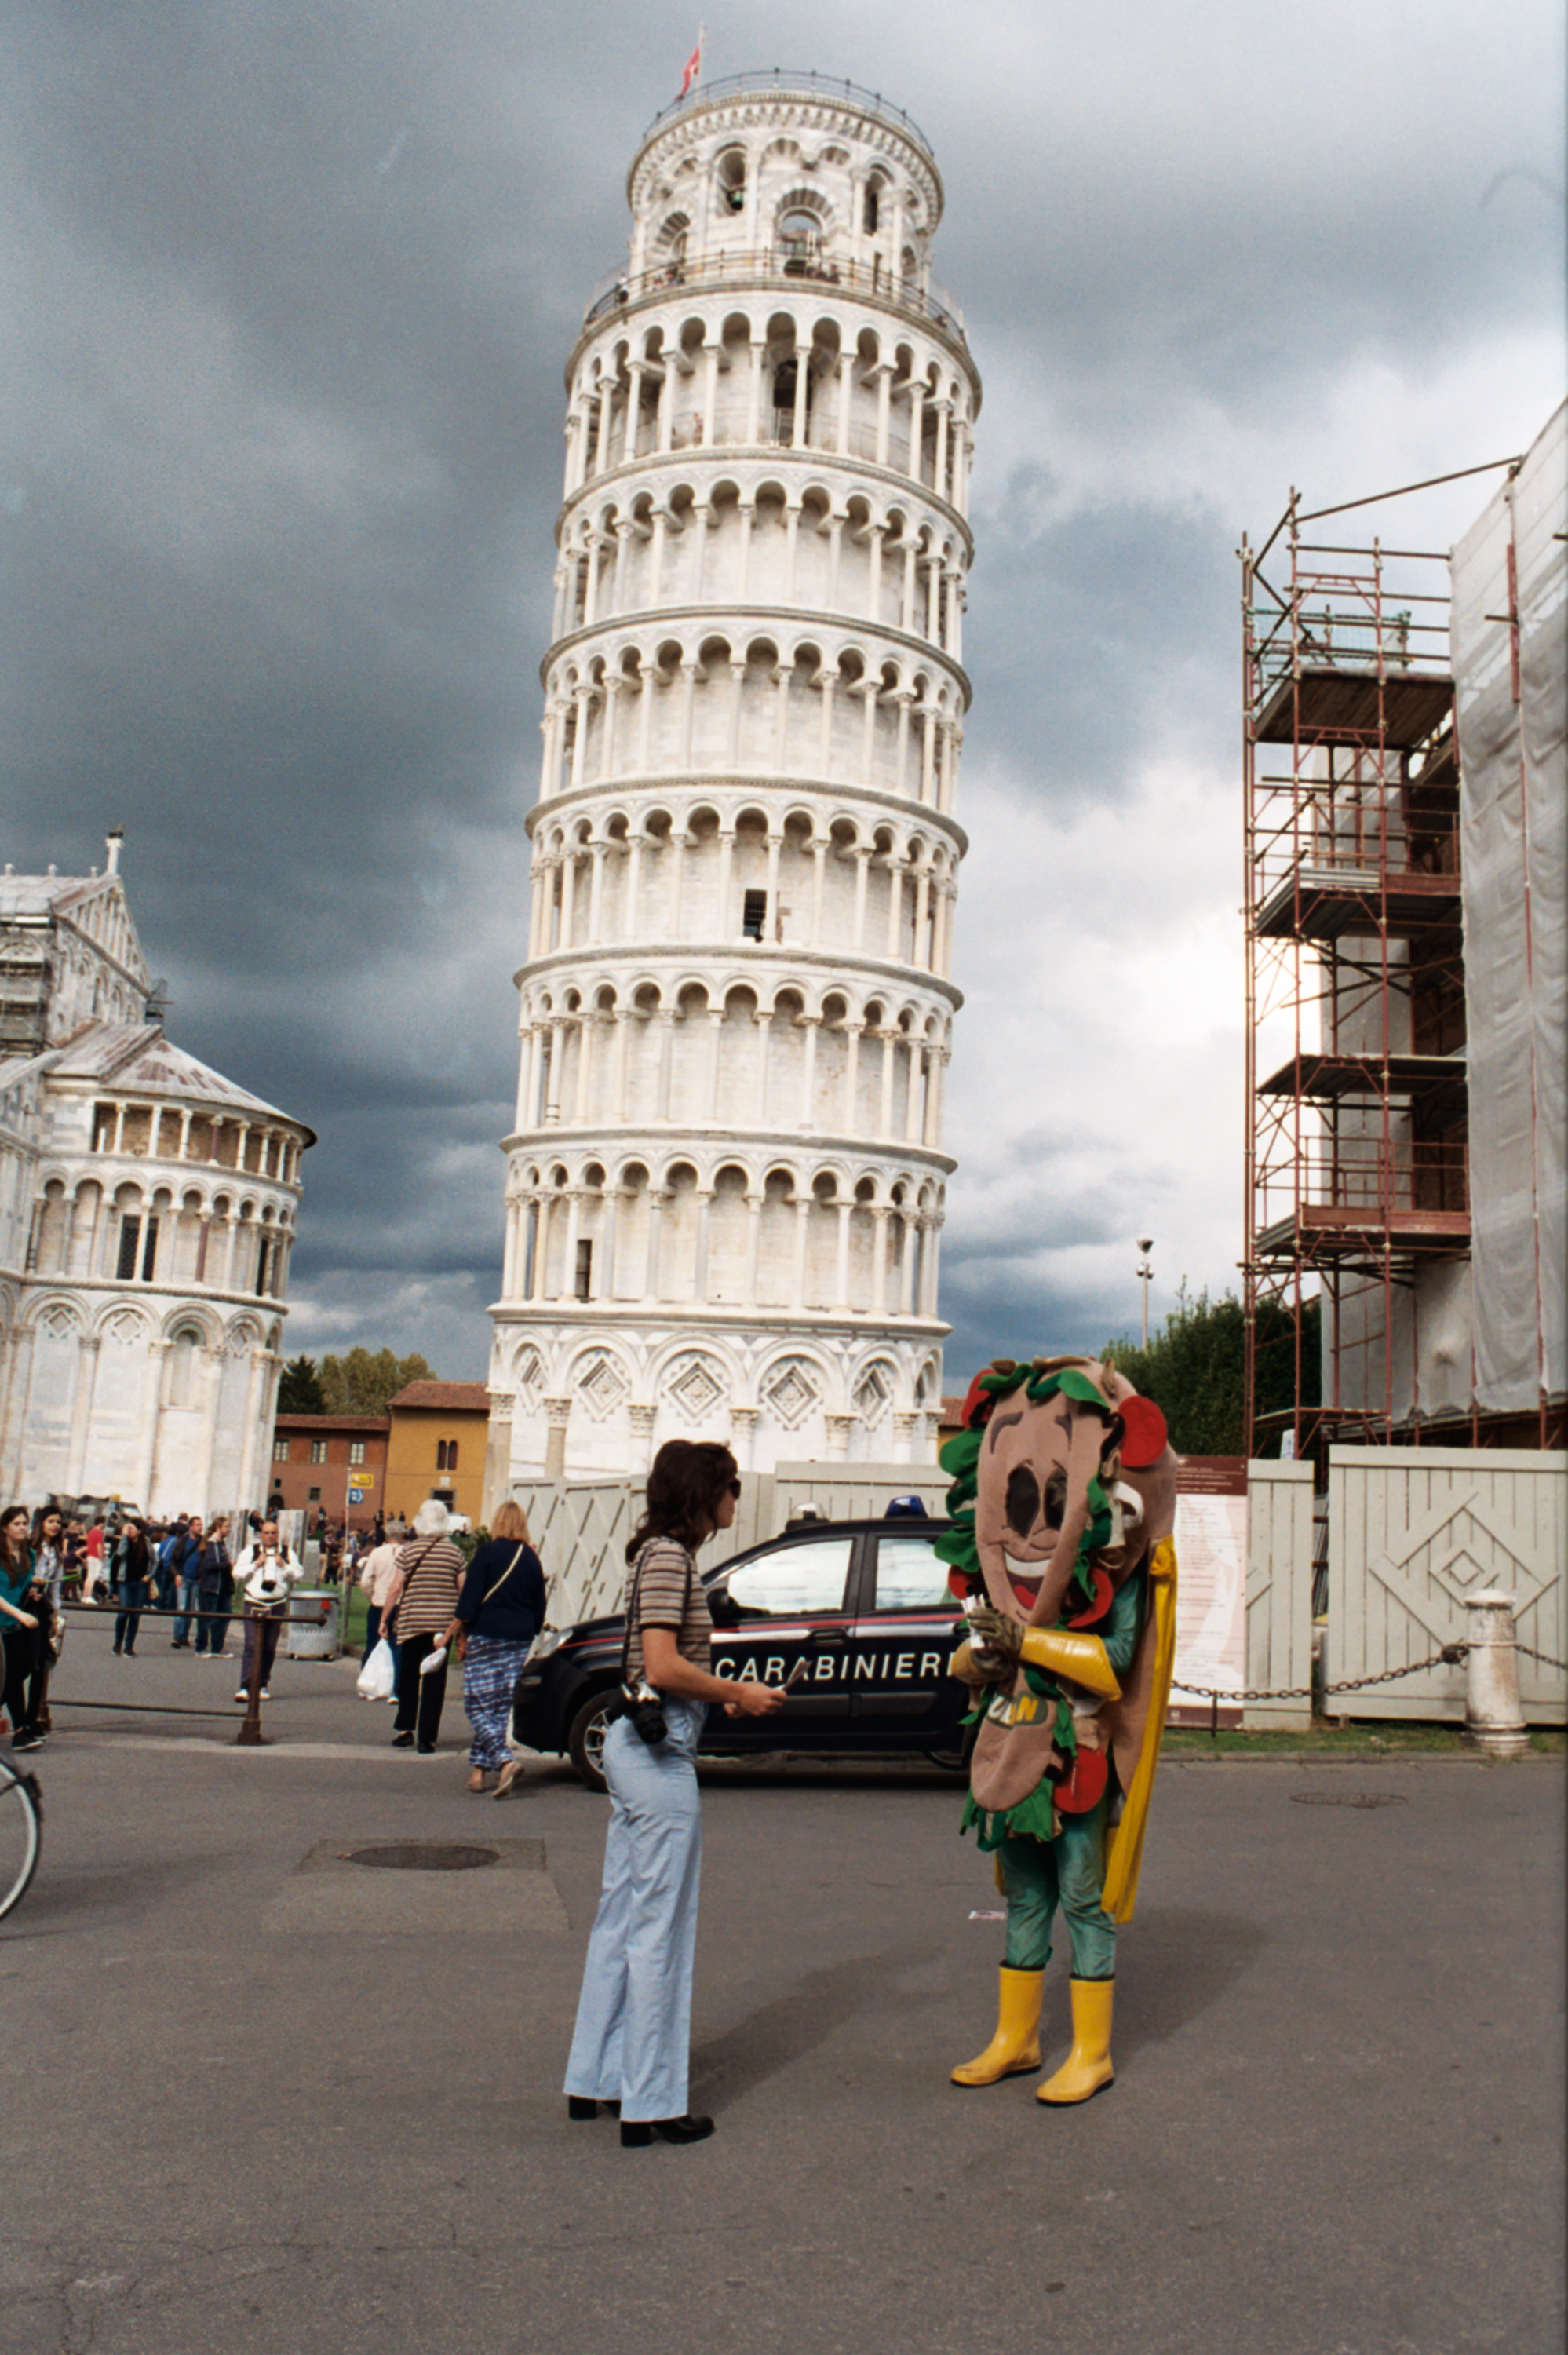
[(498, 1614)]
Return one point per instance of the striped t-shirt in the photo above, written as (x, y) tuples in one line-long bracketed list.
[(669, 1594), (433, 1573)]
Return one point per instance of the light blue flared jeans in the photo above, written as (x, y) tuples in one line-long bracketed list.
[(632, 2041)]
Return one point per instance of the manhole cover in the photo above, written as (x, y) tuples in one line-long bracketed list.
[(446, 1857), (1345, 1799)]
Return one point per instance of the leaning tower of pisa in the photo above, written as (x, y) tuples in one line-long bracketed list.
[(725, 1182)]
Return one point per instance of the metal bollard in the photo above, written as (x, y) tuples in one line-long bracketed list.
[(1494, 1721), (251, 1736)]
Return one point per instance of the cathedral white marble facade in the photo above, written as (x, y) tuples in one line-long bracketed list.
[(147, 1213), (725, 1181)]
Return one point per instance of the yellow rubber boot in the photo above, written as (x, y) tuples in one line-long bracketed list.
[(1015, 2047), (1088, 2066)]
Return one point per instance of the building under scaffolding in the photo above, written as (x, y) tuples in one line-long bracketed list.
[(1404, 796)]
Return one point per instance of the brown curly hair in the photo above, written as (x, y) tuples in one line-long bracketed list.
[(687, 1478)]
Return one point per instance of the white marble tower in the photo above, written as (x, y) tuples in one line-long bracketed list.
[(724, 1186)]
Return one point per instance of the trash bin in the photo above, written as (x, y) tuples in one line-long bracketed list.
[(312, 1630)]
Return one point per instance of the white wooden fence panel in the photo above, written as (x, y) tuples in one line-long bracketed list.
[(1411, 1532), (579, 1528), (1279, 1591)]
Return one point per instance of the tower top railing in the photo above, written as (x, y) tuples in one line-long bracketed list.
[(775, 83), (619, 288)]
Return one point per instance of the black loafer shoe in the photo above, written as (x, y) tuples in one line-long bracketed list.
[(402, 1742), (638, 2136), (580, 2108)]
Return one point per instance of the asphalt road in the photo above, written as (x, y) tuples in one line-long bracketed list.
[(261, 2098)]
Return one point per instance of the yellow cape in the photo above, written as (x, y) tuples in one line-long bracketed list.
[(1124, 1850)]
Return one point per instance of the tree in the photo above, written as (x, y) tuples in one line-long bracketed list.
[(1195, 1370), (300, 1389), (361, 1383)]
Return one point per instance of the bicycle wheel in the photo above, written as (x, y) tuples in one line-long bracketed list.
[(21, 1834)]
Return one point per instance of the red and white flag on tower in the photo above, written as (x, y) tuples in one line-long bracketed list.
[(693, 72)]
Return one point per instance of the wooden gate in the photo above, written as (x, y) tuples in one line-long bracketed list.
[(1411, 1532), (1279, 1593)]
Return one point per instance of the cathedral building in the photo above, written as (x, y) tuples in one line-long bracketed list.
[(725, 1178), (147, 1210)]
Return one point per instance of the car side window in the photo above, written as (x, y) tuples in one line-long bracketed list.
[(908, 1575), (794, 1580)]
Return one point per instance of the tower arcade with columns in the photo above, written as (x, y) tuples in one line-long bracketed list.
[(725, 1181)]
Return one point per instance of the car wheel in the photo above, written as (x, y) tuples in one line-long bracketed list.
[(585, 1742)]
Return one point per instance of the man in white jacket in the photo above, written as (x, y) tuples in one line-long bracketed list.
[(267, 1572)]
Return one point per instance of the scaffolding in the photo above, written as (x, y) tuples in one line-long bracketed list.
[(1356, 1180)]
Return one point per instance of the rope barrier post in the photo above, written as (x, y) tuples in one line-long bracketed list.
[(251, 1736), (1494, 1721), (1215, 1715)]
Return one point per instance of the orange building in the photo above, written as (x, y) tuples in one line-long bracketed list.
[(335, 1464), (436, 1447)]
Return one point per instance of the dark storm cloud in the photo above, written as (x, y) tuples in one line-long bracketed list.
[(292, 289)]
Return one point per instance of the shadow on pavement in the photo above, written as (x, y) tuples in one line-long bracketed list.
[(781, 2032)]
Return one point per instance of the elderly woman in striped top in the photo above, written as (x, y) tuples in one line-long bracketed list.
[(422, 1602)]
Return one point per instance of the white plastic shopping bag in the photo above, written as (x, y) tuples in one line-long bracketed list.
[(375, 1678)]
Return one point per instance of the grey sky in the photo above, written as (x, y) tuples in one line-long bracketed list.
[(293, 287)]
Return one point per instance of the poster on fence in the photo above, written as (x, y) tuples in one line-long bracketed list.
[(1211, 1588)]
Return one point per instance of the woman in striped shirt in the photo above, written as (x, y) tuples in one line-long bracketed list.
[(421, 1601)]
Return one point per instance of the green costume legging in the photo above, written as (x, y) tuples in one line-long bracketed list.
[(1069, 1871)]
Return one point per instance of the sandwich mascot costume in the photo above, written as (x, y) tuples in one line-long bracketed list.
[(1062, 1507)]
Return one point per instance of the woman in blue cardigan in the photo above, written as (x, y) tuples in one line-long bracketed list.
[(500, 1611)]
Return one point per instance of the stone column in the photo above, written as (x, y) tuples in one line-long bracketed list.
[(852, 1032), (558, 1412), (87, 1349), (841, 1289), (568, 1291), (906, 1433), (726, 871), (665, 1018), (863, 859), (917, 429), (651, 1281), (803, 1207), (1494, 1719), (763, 1023), (881, 1214), (716, 1030), (642, 1419), (754, 397), (819, 886), (895, 908), (912, 1103), (705, 1205), (888, 1037), (840, 1429), (743, 1434), (811, 1023)]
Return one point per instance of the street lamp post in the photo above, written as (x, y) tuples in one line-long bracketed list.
[(1145, 1277)]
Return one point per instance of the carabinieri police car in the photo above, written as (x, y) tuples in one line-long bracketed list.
[(864, 1604)]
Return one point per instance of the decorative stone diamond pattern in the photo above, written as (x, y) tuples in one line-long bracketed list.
[(694, 1387), (530, 1378), (602, 1386), (127, 1328), (872, 1394), (59, 1323), (792, 1393)]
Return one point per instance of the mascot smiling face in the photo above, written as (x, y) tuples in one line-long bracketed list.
[(1089, 1463)]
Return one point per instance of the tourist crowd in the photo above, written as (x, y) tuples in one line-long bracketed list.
[(421, 1596)]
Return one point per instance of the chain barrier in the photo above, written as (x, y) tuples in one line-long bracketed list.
[(1452, 1655)]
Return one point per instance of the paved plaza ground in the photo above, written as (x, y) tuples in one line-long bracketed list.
[(263, 2099)]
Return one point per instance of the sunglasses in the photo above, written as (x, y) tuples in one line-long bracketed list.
[(734, 1488)]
